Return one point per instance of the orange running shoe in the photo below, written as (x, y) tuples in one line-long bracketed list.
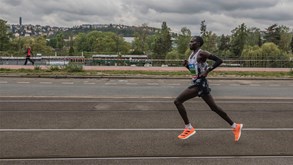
[(237, 131), (187, 133)]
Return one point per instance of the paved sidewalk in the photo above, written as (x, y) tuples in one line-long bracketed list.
[(171, 69)]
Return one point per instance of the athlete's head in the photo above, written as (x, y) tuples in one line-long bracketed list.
[(195, 42)]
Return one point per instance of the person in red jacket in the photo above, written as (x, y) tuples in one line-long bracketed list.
[(28, 56)]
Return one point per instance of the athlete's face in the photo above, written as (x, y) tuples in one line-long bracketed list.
[(193, 44)]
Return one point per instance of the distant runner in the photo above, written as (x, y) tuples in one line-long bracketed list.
[(198, 66), (28, 53)]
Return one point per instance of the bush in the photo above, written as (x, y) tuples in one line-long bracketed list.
[(37, 68), (74, 68), (54, 68)]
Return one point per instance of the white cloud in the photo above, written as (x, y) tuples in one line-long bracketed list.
[(221, 15)]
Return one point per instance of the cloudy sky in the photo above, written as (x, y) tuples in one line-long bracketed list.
[(221, 16)]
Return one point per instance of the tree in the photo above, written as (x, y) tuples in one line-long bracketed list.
[(209, 38), (4, 36), (239, 36), (271, 53), (39, 45), (172, 55), (182, 41), (101, 42), (224, 43), (60, 41), (71, 51), (210, 42), (285, 39), (80, 42), (140, 37), (251, 53), (150, 41), (253, 37), (158, 48), (291, 44), (163, 42), (224, 46), (272, 34), (203, 29), (166, 37)]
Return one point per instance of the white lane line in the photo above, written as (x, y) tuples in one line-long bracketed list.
[(255, 98), (131, 84), (255, 85), (45, 82), (3, 82), (67, 83), (274, 85), (153, 84), (215, 84), (110, 83), (173, 84), (22, 82), (87, 83), (139, 101), (150, 158), (234, 84), (142, 129)]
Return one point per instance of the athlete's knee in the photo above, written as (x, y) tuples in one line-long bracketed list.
[(177, 102), (214, 108)]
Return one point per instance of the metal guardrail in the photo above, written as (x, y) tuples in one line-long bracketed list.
[(65, 60), (43, 60)]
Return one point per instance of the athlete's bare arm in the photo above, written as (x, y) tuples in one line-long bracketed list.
[(204, 55)]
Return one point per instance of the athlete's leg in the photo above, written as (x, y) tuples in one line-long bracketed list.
[(187, 94), (210, 101), (32, 61), (26, 59)]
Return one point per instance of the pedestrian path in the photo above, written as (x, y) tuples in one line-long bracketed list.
[(135, 68)]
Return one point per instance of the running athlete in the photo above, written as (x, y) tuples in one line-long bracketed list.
[(28, 53), (198, 66)]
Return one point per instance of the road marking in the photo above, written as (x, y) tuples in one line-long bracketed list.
[(3, 82), (255, 85), (173, 84), (131, 84), (110, 83), (153, 84), (255, 98), (274, 85), (87, 83), (45, 82), (67, 83), (234, 84), (141, 129), (138, 101), (22, 82), (149, 158)]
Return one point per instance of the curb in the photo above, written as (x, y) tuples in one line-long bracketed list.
[(158, 69), (140, 77)]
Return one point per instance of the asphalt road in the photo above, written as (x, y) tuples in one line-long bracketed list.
[(120, 121), (140, 88)]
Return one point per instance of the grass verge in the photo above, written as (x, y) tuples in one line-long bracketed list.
[(75, 70)]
